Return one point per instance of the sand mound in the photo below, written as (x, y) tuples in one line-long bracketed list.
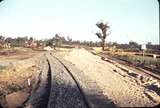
[(125, 88)]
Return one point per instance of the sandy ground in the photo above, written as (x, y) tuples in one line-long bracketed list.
[(122, 87)]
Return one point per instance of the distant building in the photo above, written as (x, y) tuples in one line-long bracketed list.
[(143, 47)]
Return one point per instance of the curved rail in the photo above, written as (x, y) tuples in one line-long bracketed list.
[(65, 90), (78, 85)]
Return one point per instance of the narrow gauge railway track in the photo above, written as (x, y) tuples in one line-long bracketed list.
[(56, 87), (93, 93), (127, 64), (77, 84)]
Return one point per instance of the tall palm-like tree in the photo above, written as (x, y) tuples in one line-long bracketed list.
[(105, 32)]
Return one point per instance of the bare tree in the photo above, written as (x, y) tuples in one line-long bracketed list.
[(104, 28)]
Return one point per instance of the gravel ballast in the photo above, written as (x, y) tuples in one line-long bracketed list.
[(122, 88)]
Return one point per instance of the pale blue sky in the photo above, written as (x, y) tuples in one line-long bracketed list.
[(136, 20)]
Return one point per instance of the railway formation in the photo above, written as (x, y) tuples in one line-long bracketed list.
[(60, 85), (126, 64)]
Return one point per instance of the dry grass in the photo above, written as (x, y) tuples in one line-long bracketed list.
[(15, 71)]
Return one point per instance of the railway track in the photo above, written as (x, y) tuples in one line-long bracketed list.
[(65, 90), (60, 85), (130, 66), (56, 87), (77, 84), (93, 93)]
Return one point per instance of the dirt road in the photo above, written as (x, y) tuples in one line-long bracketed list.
[(122, 87)]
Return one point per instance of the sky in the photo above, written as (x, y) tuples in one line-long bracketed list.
[(129, 20)]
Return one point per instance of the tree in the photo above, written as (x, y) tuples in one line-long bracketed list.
[(8, 40), (69, 40), (58, 40), (2, 39), (104, 28), (49, 43), (31, 39), (133, 44)]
